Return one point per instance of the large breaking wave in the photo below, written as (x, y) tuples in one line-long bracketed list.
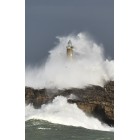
[(88, 66), (61, 112)]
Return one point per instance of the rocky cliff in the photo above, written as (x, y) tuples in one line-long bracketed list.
[(93, 100)]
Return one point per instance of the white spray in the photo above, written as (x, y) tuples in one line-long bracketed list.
[(61, 112), (88, 66)]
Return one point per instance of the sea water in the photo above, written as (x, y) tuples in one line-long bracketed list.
[(44, 130)]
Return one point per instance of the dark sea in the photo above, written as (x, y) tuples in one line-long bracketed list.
[(43, 130)]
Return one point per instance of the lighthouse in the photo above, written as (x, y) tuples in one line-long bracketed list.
[(69, 50)]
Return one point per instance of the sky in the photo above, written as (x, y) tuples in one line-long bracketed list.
[(46, 19)]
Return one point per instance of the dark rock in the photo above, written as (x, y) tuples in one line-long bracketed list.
[(36, 96)]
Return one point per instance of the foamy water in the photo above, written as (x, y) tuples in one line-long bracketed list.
[(61, 112)]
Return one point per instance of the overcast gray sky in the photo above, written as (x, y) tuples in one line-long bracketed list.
[(46, 19)]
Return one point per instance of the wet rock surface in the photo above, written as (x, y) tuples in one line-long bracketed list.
[(93, 100)]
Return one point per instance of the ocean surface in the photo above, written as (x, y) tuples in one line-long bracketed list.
[(44, 130)]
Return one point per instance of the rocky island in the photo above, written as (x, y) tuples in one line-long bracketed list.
[(94, 100)]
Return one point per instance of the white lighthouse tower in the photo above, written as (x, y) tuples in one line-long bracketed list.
[(69, 50)]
